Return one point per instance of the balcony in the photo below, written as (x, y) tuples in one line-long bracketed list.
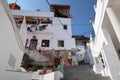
[(40, 29), (34, 25)]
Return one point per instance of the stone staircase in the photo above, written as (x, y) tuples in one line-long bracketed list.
[(82, 72)]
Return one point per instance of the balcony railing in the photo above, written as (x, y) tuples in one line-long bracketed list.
[(45, 29)]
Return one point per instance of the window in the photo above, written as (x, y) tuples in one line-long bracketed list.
[(65, 27), (45, 43), (60, 43)]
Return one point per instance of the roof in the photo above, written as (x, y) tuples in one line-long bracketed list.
[(61, 10), (60, 6), (81, 38), (14, 6)]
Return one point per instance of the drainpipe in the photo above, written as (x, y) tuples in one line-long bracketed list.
[(114, 21)]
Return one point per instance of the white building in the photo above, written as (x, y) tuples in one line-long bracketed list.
[(83, 50), (13, 39), (105, 46), (43, 30), (11, 47)]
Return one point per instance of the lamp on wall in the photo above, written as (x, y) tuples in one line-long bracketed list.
[(34, 37), (91, 20)]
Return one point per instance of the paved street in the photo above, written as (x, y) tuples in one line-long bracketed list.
[(82, 72)]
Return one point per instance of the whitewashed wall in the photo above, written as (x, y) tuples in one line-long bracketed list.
[(68, 43), (59, 32), (11, 46), (53, 32), (90, 56), (103, 43)]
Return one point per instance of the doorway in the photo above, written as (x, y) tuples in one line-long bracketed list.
[(33, 44)]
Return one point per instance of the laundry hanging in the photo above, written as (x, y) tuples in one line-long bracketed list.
[(42, 27)]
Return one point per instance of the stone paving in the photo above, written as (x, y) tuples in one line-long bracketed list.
[(82, 72)]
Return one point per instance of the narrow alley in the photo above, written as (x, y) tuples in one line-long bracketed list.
[(82, 72)]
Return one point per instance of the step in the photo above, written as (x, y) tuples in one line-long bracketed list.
[(82, 72)]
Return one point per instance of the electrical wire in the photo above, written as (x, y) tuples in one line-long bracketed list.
[(70, 24), (87, 32), (48, 2), (73, 24)]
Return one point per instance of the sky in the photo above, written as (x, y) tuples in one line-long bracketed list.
[(81, 11)]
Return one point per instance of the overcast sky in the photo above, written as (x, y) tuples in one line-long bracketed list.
[(81, 11)]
